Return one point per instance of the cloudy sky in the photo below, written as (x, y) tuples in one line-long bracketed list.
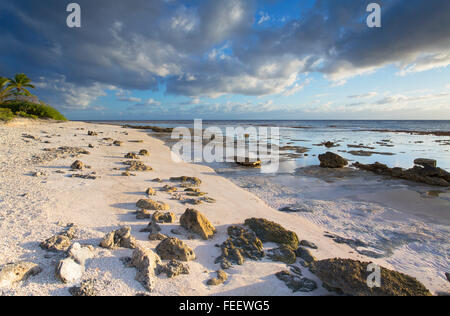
[(233, 59)]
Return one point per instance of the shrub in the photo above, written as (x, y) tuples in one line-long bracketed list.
[(6, 115), (33, 110)]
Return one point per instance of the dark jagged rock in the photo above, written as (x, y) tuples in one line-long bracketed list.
[(62, 241), (308, 244), (427, 174), (157, 236), (349, 277), (137, 166), (332, 160), (159, 217), (86, 288), (283, 254), (151, 228), (174, 268), (296, 282), (119, 238), (144, 152), (17, 272), (77, 165), (305, 254), (197, 223), (131, 156), (271, 231), (191, 180), (175, 249), (241, 244), (148, 204), (220, 279)]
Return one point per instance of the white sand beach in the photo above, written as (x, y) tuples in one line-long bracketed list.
[(33, 208)]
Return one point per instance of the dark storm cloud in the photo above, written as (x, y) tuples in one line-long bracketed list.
[(211, 47)]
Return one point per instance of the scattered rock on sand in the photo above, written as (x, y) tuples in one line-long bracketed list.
[(175, 249), (69, 271), (17, 272), (56, 243), (151, 228), (296, 282), (131, 156), (429, 175), (86, 288), (160, 217), (119, 238), (150, 192), (134, 165), (270, 231), (169, 188), (197, 223), (174, 268), (92, 133), (191, 180), (332, 160), (349, 277), (241, 243), (146, 262), (117, 143), (143, 214), (157, 236), (447, 275), (308, 244), (77, 165), (305, 254), (148, 204), (283, 254), (144, 152), (221, 278)]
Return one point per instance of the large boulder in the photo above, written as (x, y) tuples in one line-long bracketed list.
[(296, 282), (69, 271), (424, 162), (241, 243), (175, 249), (332, 160), (349, 277), (196, 222), (146, 262), (283, 254), (269, 231), (119, 238), (80, 253), (149, 204), (160, 217), (17, 272)]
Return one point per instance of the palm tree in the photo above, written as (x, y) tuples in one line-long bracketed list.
[(5, 90), (19, 85)]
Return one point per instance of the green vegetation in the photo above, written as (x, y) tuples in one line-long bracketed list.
[(19, 85), (5, 89), (6, 115), (11, 106), (28, 109)]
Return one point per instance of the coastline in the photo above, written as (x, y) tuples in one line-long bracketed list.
[(108, 202)]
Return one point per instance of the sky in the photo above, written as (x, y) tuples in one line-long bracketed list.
[(232, 59)]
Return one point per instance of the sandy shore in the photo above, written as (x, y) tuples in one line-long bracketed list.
[(33, 209)]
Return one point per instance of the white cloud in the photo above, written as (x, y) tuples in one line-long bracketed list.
[(71, 96), (426, 62)]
